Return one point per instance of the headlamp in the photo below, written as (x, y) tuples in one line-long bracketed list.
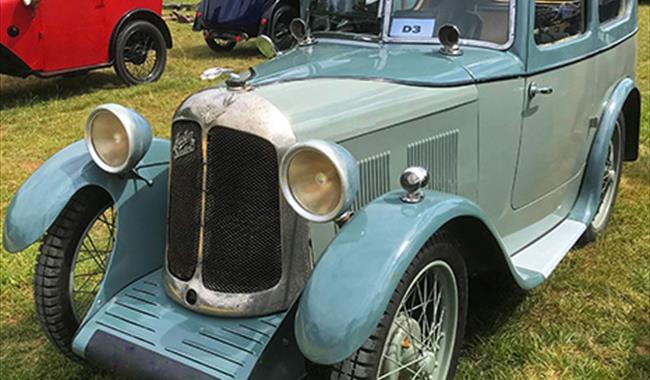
[(319, 179), (117, 137)]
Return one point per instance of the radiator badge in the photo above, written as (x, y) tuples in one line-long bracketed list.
[(184, 143)]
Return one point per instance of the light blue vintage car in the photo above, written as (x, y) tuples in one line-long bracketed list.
[(324, 214)]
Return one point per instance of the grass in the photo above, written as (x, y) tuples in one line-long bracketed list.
[(591, 320)]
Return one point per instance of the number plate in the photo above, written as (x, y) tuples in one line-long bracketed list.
[(412, 27)]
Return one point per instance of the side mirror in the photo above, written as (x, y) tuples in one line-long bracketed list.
[(449, 37), (266, 46), (300, 32)]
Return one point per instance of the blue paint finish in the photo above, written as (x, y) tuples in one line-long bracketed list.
[(595, 37), (409, 64), (141, 210), (143, 315), (588, 201), (353, 281), (52, 185)]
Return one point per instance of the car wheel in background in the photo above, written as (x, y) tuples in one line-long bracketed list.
[(140, 53), (279, 31), (71, 265), (421, 332), (610, 183), (219, 44)]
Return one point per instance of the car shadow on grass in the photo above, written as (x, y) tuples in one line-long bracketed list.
[(492, 301), (17, 92)]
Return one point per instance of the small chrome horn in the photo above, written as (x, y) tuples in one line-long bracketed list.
[(413, 180), (449, 37)]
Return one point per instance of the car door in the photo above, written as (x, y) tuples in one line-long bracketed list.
[(73, 34), (557, 111)]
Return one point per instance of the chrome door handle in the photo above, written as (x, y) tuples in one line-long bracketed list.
[(534, 90)]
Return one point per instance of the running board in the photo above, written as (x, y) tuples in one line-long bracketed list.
[(536, 262)]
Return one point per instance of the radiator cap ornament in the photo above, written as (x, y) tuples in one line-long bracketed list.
[(413, 179)]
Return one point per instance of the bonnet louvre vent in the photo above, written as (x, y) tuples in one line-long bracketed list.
[(374, 179), (439, 155)]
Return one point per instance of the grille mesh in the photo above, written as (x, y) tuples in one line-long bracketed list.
[(242, 237), (184, 200)]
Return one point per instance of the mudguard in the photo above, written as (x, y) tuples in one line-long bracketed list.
[(357, 274), (588, 200), (141, 209)]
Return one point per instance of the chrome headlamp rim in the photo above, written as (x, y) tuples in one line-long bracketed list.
[(345, 166), (136, 128)]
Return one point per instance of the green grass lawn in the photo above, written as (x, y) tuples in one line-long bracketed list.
[(591, 320)]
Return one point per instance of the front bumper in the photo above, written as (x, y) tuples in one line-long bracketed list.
[(143, 334)]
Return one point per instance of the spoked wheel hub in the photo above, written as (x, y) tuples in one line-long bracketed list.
[(610, 178), (422, 334), (140, 55), (90, 261)]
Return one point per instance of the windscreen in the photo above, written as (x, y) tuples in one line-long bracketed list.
[(480, 20)]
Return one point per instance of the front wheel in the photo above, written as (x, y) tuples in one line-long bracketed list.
[(140, 53), (71, 266), (421, 331)]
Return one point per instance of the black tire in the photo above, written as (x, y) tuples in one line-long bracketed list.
[(364, 363), (279, 31), (135, 45), (604, 212), (54, 308), (220, 45)]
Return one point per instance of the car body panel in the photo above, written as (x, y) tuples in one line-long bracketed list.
[(141, 210), (346, 107), (363, 266), (50, 30), (589, 200), (158, 338), (418, 65)]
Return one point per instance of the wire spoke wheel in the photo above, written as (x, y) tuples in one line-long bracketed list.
[(140, 53), (90, 261), (610, 178), (422, 334)]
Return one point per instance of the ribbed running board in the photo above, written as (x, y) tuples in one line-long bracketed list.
[(147, 321)]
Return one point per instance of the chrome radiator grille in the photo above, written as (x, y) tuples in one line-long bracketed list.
[(235, 246), (242, 250)]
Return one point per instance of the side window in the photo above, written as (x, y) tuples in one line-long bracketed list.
[(610, 9), (556, 20)]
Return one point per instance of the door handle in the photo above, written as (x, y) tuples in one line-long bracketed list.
[(534, 90)]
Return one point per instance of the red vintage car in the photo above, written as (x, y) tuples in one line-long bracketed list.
[(53, 37)]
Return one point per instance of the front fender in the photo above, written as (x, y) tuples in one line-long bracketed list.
[(357, 274), (39, 201), (588, 200)]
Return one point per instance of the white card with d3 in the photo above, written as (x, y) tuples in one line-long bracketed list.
[(412, 27)]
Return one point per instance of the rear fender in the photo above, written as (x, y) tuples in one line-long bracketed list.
[(139, 14), (141, 209), (588, 200), (357, 274)]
